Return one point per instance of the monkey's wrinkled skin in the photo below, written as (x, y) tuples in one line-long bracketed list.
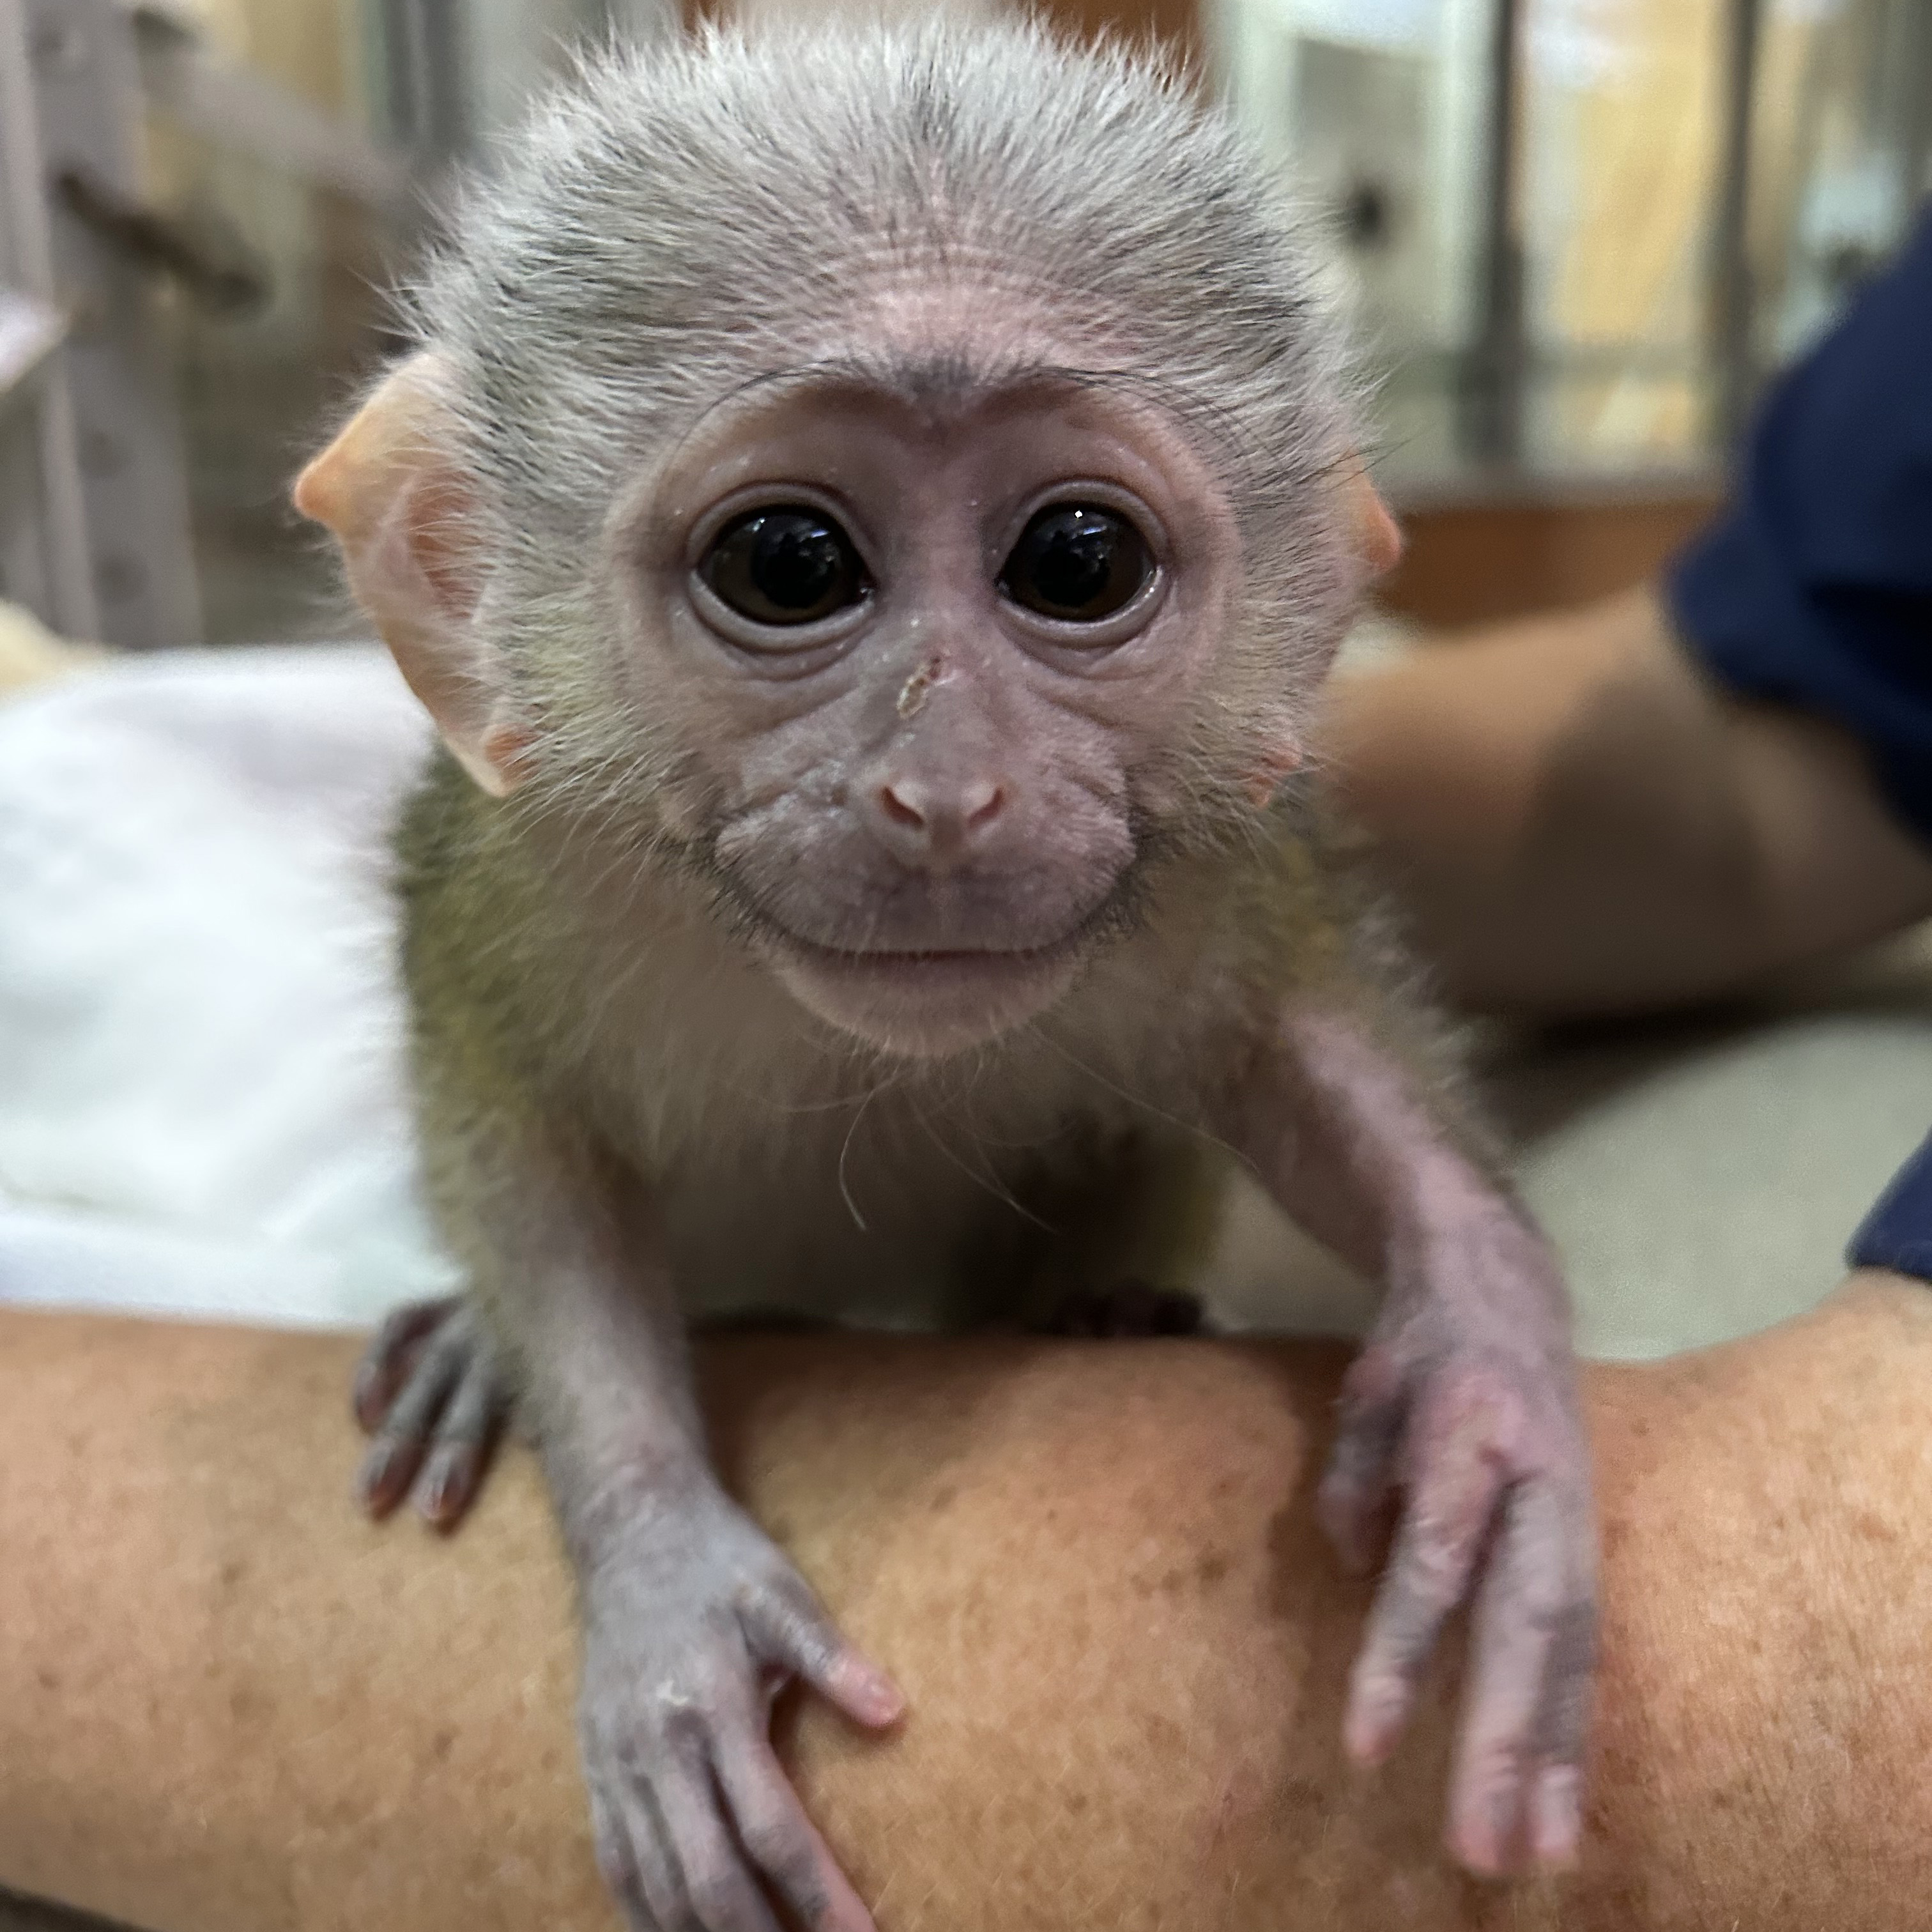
[(869, 515)]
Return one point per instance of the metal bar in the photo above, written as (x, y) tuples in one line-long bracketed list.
[(1732, 343), (44, 559), (87, 90), (1917, 158), (1494, 395), (425, 54)]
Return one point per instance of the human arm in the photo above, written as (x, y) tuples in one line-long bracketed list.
[(229, 1704), (1580, 819)]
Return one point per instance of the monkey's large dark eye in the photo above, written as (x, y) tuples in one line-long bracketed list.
[(1077, 562), (788, 565)]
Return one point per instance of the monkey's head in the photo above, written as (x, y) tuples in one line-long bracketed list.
[(906, 477)]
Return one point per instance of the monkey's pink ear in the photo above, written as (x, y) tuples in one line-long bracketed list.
[(1378, 537), (391, 488)]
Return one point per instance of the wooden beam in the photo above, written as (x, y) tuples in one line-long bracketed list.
[(1479, 561)]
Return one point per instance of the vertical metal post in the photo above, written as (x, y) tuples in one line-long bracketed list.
[(44, 563), (1916, 160), (1732, 347), (1494, 394), (87, 88), (634, 22), (425, 56)]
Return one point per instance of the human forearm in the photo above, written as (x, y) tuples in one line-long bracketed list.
[(1580, 821), (225, 1702)]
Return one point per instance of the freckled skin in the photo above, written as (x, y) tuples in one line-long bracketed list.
[(859, 964)]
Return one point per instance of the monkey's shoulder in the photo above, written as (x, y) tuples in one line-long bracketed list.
[(1292, 907), (478, 940)]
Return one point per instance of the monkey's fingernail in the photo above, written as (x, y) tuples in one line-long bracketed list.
[(375, 1483), (1475, 1847), (451, 1483), (873, 1696), (1377, 1706), (1556, 1817)]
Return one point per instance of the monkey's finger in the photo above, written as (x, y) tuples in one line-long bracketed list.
[(789, 1626), (722, 1894), (466, 1437), (386, 1362), (634, 1862), (781, 1840), (1352, 1503), (1518, 1778), (397, 1450), (611, 1846), (1456, 1480)]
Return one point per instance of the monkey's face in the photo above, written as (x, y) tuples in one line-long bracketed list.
[(925, 656), (918, 665)]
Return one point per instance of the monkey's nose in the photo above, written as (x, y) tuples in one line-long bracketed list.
[(930, 822)]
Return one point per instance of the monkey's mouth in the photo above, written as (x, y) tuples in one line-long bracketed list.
[(929, 1001), (933, 969)]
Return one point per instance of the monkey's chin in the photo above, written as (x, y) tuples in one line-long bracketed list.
[(925, 1005)]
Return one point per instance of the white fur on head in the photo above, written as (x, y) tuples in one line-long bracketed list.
[(683, 221)]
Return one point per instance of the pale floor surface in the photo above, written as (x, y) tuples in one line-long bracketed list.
[(1701, 1176)]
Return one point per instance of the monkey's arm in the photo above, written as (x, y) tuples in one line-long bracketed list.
[(692, 1616), (1465, 1399), (1580, 820)]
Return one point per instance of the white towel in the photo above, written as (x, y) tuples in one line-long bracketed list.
[(199, 1054)]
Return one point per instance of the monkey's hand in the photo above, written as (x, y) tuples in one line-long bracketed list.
[(431, 1393), (1466, 1400), (692, 1623)]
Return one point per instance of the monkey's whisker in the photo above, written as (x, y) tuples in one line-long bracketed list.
[(844, 1154)]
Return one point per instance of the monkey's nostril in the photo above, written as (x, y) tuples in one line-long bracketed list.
[(939, 820), (901, 809), (983, 804)]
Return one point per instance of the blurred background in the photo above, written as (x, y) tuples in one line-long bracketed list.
[(1576, 235)]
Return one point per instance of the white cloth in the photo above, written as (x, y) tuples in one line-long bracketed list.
[(200, 1051)]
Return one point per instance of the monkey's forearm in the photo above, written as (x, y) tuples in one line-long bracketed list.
[(227, 1703), (1354, 1147), (692, 1615), (1463, 1401), (566, 1261)]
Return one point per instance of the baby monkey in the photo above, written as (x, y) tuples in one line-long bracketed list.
[(869, 514)]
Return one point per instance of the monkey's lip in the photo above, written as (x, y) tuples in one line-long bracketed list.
[(935, 967), (929, 1002)]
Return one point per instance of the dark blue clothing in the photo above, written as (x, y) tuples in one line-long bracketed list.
[(1815, 588), (1897, 1233)]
